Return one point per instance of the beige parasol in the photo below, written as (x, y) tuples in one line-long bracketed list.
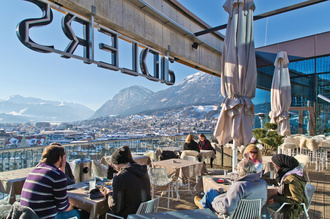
[(238, 78), (280, 94)]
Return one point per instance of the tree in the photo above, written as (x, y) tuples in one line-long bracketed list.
[(269, 137)]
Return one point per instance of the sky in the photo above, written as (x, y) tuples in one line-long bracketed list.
[(50, 77)]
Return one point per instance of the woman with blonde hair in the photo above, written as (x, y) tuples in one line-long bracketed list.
[(191, 144), (252, 152)]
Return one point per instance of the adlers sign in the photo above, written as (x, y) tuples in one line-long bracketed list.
[(161, 69)]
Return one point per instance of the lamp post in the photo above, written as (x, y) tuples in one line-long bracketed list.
[(261, 117)]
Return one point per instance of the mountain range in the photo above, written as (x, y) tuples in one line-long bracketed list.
[(198, 95), (18, 109), (197, 89)]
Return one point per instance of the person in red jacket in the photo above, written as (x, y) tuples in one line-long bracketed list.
[(205, 144)]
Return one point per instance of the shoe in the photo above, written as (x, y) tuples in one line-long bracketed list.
[(197, 202)]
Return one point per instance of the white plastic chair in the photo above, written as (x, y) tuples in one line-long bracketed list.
[(309, 192), (247, 209), (188, 157), (144, 208), (158, 177)]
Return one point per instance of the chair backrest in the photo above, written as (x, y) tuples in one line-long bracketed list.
[(309, 192), (189, 153), (148, 206), (248, 209), (191, 158), (158, 176)]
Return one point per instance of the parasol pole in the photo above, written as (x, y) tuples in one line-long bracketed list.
[(234, 152)]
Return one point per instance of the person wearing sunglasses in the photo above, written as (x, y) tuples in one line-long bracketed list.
[(252, 152)]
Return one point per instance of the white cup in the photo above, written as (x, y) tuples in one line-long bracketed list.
[(92, 184)]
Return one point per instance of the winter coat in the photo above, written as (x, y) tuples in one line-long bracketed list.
[(191, 146), (247, 187), (292, 191), (205, 145), (131, 187)]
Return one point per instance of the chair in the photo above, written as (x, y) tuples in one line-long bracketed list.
[(188, 157), (148, 206), (144, 208), (309, 192), (247, 209), (158, 177)]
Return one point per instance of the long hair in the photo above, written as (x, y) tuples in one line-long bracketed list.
[(52, 153), (189, 138), (251, 147)]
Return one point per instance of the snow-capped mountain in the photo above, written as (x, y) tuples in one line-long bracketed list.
[(27, 109), (123, 102), (197, 89)]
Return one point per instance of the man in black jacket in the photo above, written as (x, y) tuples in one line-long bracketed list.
[(131, 186)]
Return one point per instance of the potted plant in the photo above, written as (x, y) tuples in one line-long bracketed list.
[(269, 137)]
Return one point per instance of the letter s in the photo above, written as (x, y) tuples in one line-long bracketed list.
[(22, 30)]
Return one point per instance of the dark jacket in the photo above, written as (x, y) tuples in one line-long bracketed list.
[(131, 187), (191, 146), (205, 145), (293, 187)]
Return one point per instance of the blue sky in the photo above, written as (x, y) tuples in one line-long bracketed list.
[(48, 76)]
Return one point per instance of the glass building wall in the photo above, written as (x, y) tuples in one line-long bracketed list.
[(309, 78)]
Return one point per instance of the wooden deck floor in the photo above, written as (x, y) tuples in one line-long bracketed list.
[(319, 209)]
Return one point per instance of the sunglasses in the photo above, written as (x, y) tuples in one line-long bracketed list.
[(253, 152)]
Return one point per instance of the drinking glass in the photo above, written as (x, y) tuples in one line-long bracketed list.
[(92, 184)]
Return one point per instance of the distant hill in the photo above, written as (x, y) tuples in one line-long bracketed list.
[(197, 89), (123, 102), (27, 109)]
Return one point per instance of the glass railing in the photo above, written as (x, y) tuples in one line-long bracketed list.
[(24, 157)]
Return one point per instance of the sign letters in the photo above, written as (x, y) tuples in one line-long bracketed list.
[(161, 72)]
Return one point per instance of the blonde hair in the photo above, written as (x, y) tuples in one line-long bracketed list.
[(250, 147), (189, 138)]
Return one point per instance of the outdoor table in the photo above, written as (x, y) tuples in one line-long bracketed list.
[(139, 159), (206, 154), (12, 182), (181, 170), (79, 198), (187, 214), (211, 181)]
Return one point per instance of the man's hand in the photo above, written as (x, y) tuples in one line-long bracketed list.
[(62, 165)]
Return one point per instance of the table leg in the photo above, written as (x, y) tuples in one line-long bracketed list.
[(177, 189)]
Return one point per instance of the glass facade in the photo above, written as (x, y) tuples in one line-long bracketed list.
[(309, 78)]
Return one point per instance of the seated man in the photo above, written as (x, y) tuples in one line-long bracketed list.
[(44, 189), (131, 186), (248, 186)]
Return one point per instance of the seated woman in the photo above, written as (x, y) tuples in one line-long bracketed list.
[(252, 152), (111, 170), (205, 144), (190, 144), (248, 186), (292, 187)]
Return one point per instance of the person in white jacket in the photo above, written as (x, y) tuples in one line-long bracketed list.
[(247, 186)]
